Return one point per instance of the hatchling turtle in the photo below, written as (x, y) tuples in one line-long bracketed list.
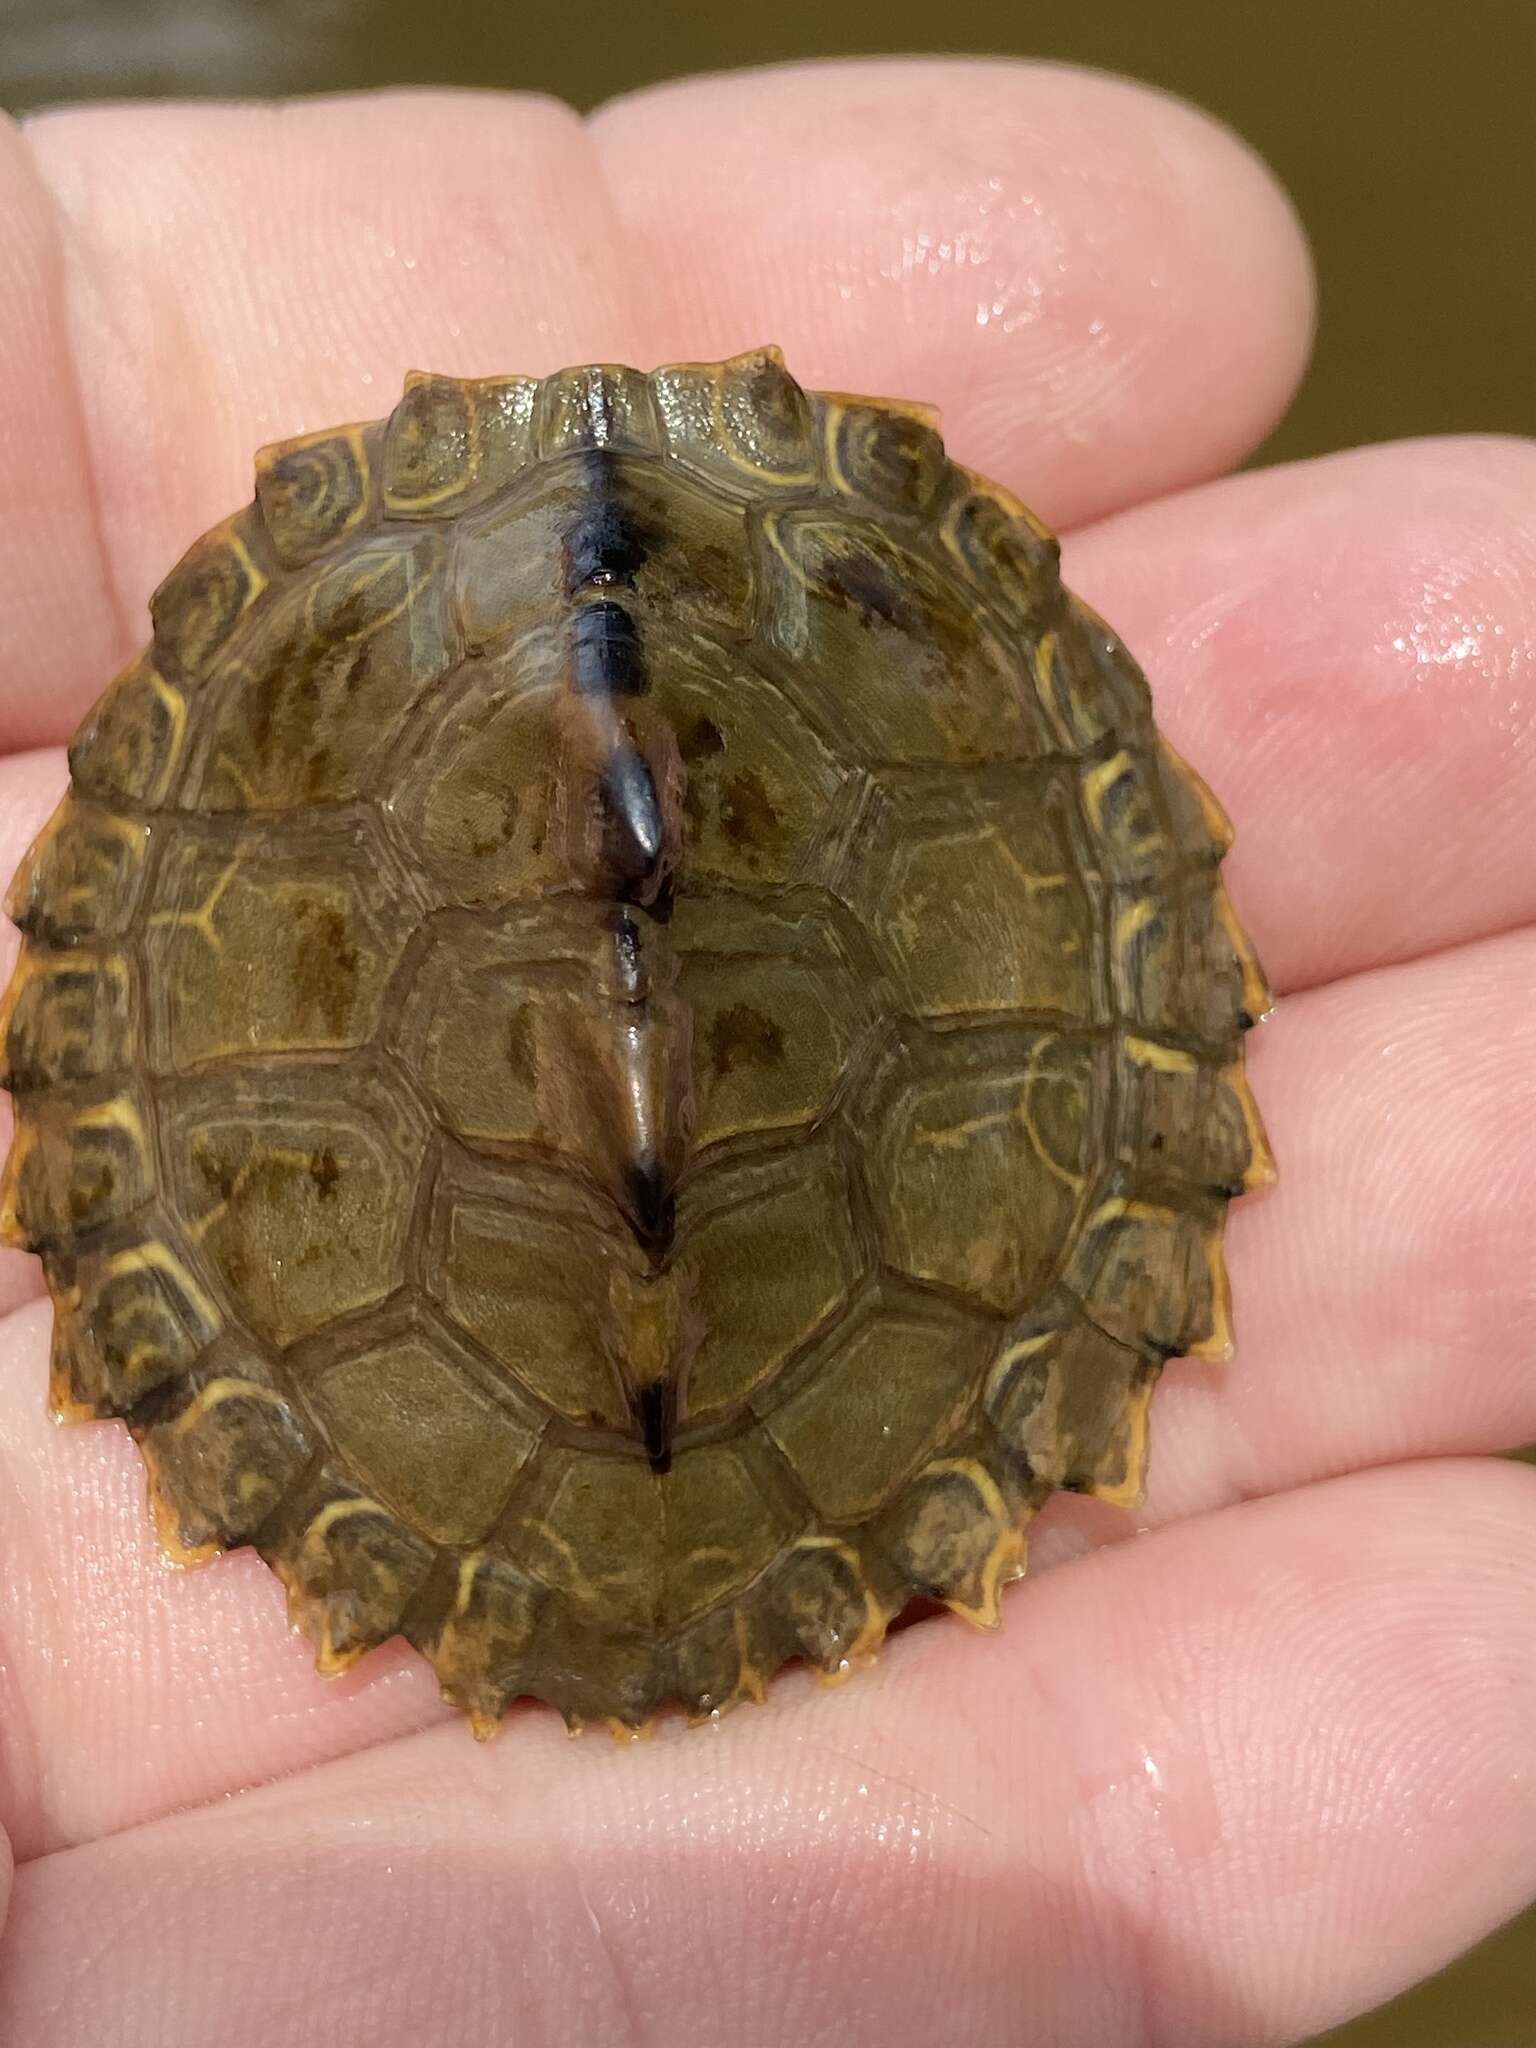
[(628, 1046)]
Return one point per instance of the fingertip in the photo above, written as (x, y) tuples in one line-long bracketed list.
[(1106, 292)]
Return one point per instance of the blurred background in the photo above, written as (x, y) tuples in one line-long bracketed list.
[(1404, 130)]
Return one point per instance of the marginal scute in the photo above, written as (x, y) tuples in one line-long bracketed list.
[(452, 441), (1146, 1273), (67, 1017), (955, 1536), (199, 604), (1261, 1170), (75, 1165), (722, 1661), (1199, 822), (481, 1642), (69, 1376), (82, 876), (223, 1463), (1192, 1123), (628, 1046), (1178, 967), (143, 1320), (744, 422), (604, 406), (825, 1608), (1119, 795), (350, 1568), (129, 747), (311, 490), (883, 453), (1089, 689), (1072, 1400), (1012, 558)]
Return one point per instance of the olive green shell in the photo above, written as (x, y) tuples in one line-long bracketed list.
[(628, 1046)]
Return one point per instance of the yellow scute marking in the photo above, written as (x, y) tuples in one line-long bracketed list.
[(1098, 782), (1134, 919), (338, 1511), (1127, 1492), (225, 1388), (1164, 1059), (154, 1257)]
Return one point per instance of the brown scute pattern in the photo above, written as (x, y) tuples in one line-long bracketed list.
[(596, 407), (67, 1017), (1070, 1401), (200, 603), (628, 1047), (1012, 559), (304, 706), (130, 1319), (130, 746), (745, 423), (82, 876), (224, 1460), (81, 1159), (350, 1568), (878, 452), (311, 490), (451, 443)]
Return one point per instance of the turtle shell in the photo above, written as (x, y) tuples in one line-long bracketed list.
[(628, 1044)]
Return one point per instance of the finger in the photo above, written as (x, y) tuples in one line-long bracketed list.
[(1128, 1847), (30, 786), (208, 309), (60, 632), (132, 1687), (1346, 650), (1385, 1289), (1103, 291)]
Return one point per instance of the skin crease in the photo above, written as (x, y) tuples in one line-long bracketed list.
[(1220, 1785)]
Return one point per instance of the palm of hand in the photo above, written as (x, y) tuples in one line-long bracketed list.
[(1221, 1785)]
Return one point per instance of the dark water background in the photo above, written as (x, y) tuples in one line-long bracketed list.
[(1404, 129)]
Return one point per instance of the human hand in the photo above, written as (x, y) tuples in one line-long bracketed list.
[(1217, 1786)]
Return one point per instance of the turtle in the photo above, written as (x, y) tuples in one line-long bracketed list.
[(628, 1044)]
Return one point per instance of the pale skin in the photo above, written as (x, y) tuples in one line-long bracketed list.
[(1218, 1786)]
